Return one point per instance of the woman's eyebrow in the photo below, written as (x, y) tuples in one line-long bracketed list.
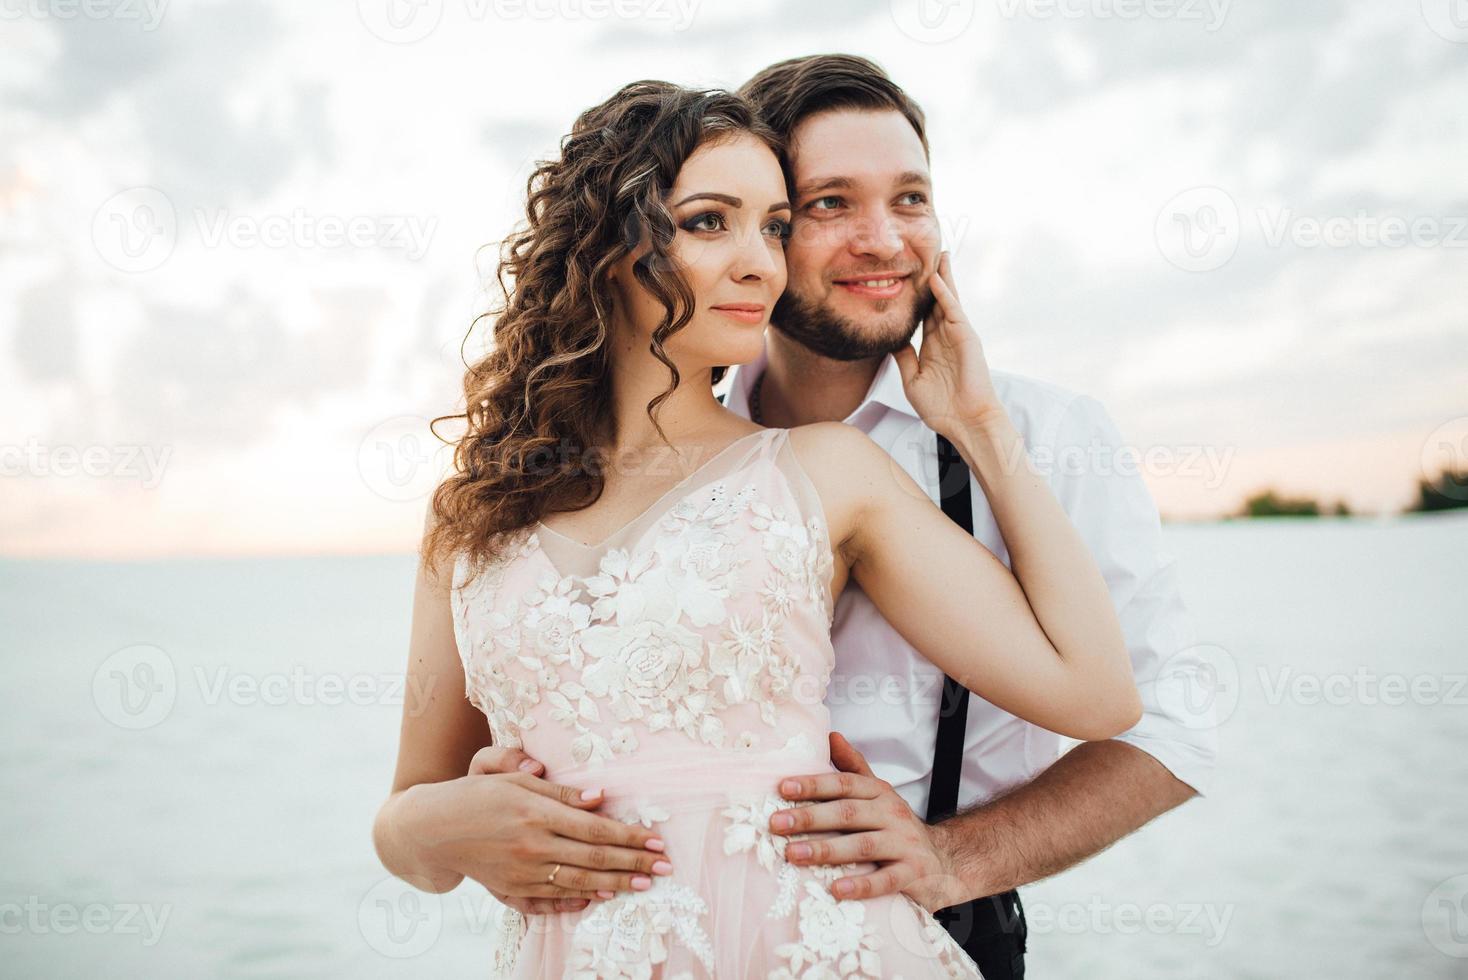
[(733, 202), (729, 199)]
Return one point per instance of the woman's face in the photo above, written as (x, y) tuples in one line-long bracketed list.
[(732, 217)]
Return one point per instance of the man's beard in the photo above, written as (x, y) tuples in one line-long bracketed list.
[(831, 335)]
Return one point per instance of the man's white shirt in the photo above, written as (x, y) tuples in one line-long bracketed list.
[(885, 696)]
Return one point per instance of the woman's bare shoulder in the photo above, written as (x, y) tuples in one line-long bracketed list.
[(832, 442), (845, 466)]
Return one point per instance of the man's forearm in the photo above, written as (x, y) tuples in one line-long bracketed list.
[(1089, 799)]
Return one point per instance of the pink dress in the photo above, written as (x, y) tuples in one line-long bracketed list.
[(682, 665)]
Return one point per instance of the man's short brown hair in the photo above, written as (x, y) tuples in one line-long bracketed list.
[(787, 92)]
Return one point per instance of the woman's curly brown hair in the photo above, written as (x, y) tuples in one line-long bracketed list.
[(543, 388)]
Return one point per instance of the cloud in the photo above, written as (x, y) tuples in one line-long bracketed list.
[(221, 375), (46, 340)]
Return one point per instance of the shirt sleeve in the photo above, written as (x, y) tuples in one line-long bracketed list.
[(1097, 479)]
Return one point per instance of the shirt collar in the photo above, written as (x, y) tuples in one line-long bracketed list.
[(886, 390)]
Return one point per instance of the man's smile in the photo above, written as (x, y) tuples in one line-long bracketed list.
[(884, 286)]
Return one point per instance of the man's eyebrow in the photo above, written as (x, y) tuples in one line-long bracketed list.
[(824, 184), (733, 202), (907, 178)]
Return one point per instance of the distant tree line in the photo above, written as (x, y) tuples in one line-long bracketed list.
[(1448, 490)]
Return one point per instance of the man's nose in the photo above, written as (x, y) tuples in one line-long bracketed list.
[(878, 236)]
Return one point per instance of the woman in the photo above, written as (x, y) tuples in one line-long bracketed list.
[(660, 636)]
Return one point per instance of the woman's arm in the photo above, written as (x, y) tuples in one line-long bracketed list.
[(452, 814), (438, 736), (1043, 642)]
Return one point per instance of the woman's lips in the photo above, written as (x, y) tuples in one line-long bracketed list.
[(743, 312), (876, 287)]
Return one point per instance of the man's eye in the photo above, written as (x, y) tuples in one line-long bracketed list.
[(825, 203), (915, 198), (708, 221)]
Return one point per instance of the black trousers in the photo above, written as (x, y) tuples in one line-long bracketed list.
[(992, 931)]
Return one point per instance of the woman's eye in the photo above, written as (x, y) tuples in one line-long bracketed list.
[(779, 229), (708, 221)]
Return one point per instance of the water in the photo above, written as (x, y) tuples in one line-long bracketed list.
[(223, 827)]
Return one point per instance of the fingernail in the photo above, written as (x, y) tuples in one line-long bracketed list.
[(529, 765), (641, 883), (662, 868), (655, 844), (602, 893), (780, 821), (590, 794), (790, 787), (844, 887), (798, 852)]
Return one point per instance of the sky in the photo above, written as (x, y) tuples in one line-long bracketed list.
[(241, 242)]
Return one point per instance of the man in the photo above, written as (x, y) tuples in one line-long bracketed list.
[(864, 242)]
